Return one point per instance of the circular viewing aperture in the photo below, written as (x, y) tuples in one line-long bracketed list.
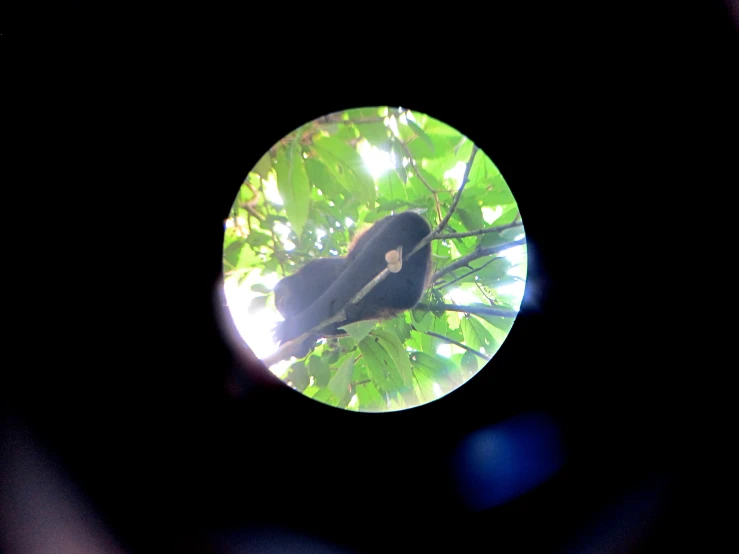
[(374, 259)]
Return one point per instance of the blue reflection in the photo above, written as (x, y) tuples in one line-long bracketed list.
[(499, 463)]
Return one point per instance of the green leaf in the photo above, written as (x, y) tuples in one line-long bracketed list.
[(293, 185), (256, 238), (360, 329), (430, 150), (360, 370), (321, 178), (399, 327), (272, 265), (431, 179), (470, 362), (332, 356), (431, 366), (257, 303), (369, 397), (422, 320), (483, 169), (510, 212), (440, 326), (409, 396), (271, 219), (325, 396), (470, 215), (380, 365), (320, 370), (476, 336), (339, 385), (493, 270), (231, 254), (346, 165), (263, 166), (376, 134), (418, 188), (512, 233), (425, 385), (427, 343), (397, 352), (390, 187), (298, 376)]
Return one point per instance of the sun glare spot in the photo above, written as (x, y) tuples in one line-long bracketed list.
[(376, 160), (446, 350), (255, 327), (270, 190), (456, 173), (283, 232), (514, 290), (462, 297), (393, 124), (490, 214), (515, 255)]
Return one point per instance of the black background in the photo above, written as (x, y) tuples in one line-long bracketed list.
[(615, 139)]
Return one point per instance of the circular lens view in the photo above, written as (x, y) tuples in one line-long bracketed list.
[(374, 259)]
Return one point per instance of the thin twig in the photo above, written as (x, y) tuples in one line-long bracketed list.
[(476, 310), (478, 253), (475, 270), (497, 229), (467, 348), (428, 238), (421, 177)]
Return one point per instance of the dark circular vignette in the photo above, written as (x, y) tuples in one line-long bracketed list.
[(141, 422)]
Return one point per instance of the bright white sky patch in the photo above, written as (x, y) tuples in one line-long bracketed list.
[(376, 160), (515, 255), (393, 124), (462, 297), (491, 214), (283, 231), (456, 173), (270, 190), (514, 289)]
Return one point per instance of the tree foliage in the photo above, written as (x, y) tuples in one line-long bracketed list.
[(326, 193)]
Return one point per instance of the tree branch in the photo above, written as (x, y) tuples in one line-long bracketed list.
[(475, 270), (467, 348), (475, 310), (421, 177), (497, 229), (477, 253), (428, 238)]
